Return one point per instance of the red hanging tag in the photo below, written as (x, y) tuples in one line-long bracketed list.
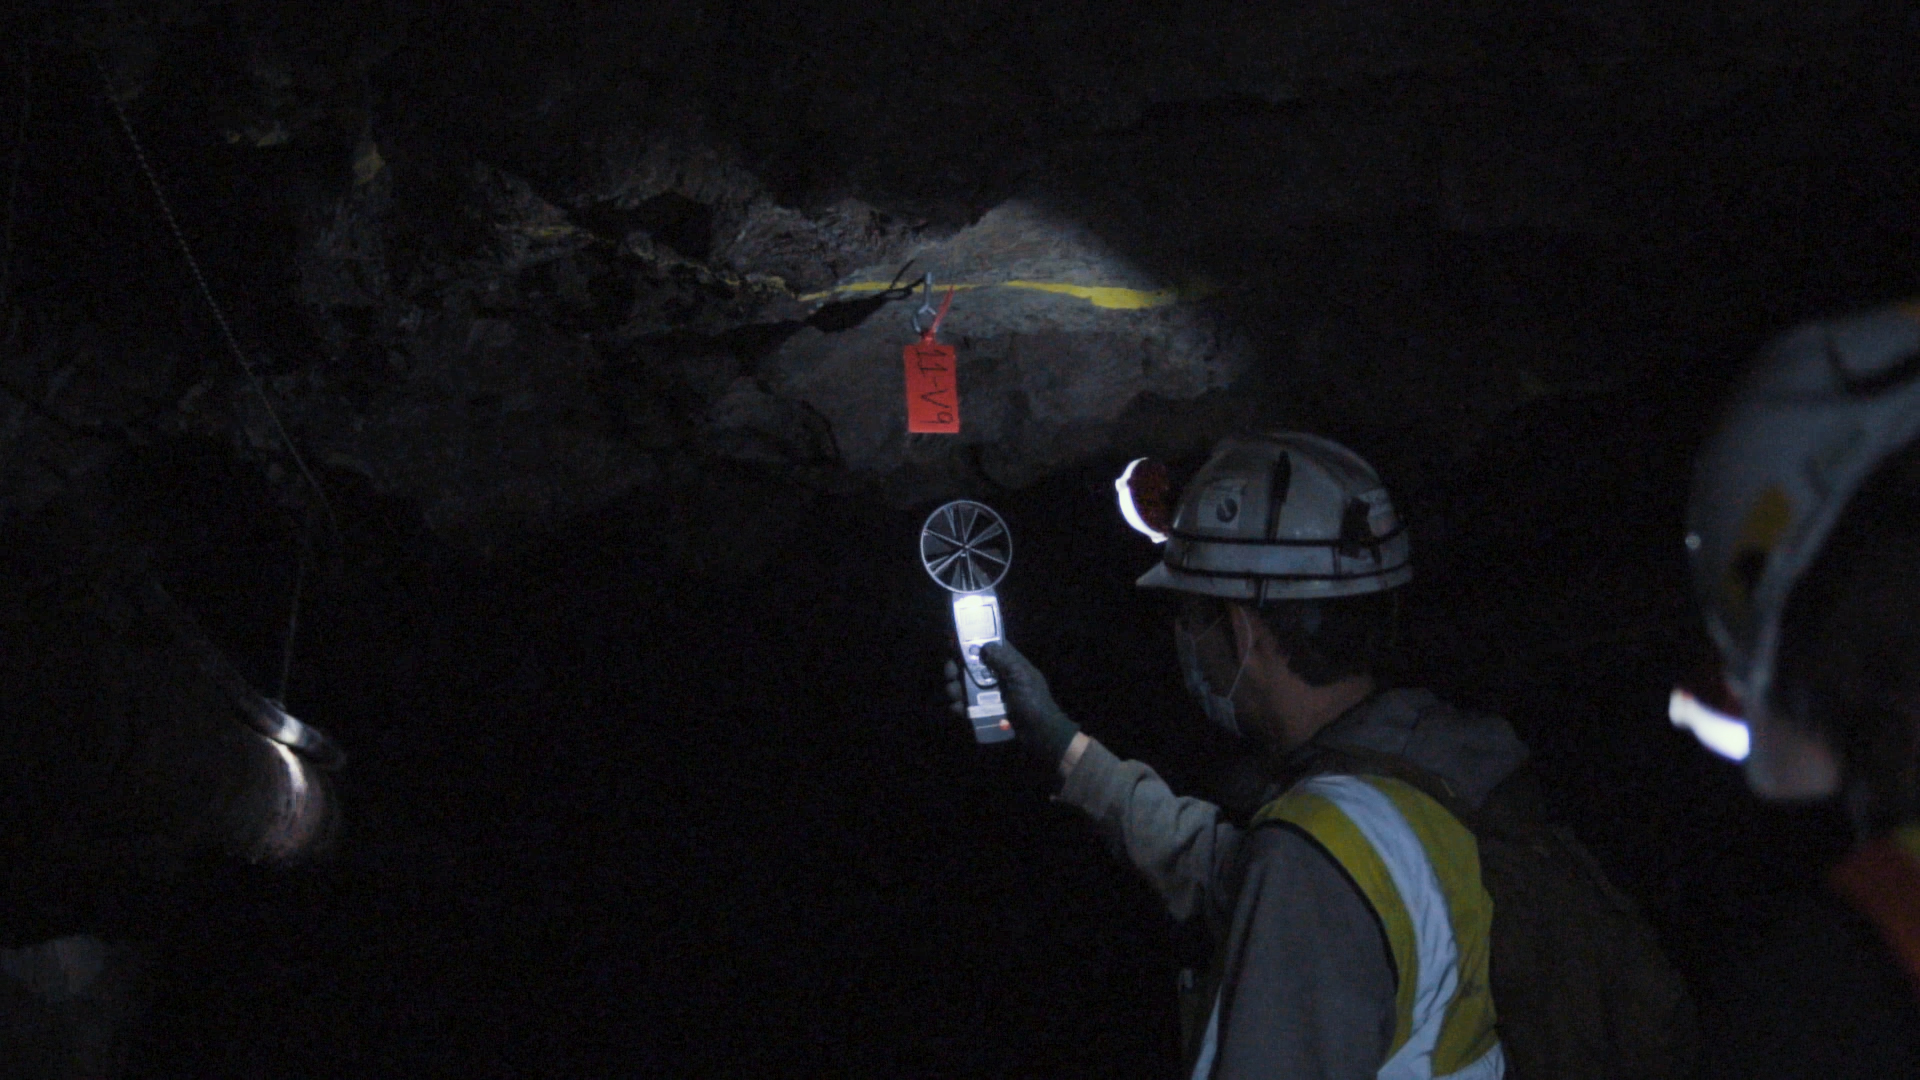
[(933, 394), (933, 401)]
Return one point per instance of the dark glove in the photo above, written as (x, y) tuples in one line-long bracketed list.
[(1036, 719)]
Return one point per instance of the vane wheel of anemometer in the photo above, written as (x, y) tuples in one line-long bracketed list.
[(966, 547)]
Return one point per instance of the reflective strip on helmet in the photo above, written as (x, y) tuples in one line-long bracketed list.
[(1245, 576), (1260, 589), (1263, 541), (1419, 869), (1285, 559)]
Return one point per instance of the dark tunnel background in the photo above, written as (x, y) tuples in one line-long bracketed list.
[(606, 820), (608, 814)]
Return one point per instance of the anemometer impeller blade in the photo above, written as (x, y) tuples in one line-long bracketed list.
[(966, 546)]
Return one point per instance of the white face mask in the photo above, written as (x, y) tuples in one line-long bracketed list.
[(1218, 707)]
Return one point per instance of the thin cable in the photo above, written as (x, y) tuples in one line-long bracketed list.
[(293, 620), (894, 291), (19, 163), (206, 293)]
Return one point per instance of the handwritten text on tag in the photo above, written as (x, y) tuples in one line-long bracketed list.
[(933, 398)]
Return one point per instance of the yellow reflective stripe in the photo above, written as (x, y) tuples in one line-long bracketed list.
[(1111, 297), (1333, 830), (1468, 1032), (1907, 839)]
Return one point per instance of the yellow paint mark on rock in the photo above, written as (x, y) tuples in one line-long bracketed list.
[(1111, 297)]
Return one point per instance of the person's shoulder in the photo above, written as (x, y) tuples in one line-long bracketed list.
[(1416, 706), (1472, 750)]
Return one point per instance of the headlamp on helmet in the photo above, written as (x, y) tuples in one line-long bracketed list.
[(1145, 493)]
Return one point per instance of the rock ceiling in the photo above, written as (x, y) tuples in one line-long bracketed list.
[(518, 262)]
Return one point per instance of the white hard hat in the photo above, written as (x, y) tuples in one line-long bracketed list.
[(1823, 407), (1285, 516)]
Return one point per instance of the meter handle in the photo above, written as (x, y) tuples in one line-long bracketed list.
[(1044, 727), (985, 710)]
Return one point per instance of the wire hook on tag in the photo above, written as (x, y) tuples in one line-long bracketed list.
[(924, 315), (926, 320)]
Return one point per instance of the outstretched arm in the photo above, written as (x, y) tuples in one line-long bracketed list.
[(1182, 845)]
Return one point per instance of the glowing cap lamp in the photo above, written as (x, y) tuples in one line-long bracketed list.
[(1143, 490), (1724, 735)]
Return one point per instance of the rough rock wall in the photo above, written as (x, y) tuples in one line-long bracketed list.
[(678, 311), (537, 261)]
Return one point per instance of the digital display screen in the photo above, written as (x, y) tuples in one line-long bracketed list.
[(977, 620)]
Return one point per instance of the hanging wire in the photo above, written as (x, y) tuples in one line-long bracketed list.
[(293, 611), (260, 714), (19, 163), (897, 291), (293, 628), (206, 293)]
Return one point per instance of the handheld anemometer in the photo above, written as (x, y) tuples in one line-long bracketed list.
[(966, 547)]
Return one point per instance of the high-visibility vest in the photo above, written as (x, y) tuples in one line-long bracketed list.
[(1419, 868)]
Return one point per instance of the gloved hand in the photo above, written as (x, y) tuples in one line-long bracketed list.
[(1036, 719)]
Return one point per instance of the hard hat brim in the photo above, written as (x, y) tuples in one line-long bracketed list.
[(1255, 590)]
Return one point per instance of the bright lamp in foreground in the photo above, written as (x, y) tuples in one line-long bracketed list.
[(1716, 731)]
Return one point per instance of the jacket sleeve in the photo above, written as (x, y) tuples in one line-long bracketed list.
[(1182, 845), (1308, 987)]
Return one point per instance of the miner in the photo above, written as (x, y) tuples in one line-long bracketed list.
[(1804, 534), (1353, 921)]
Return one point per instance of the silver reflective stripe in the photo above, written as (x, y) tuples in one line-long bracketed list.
[(1374, 814), (1394, 841)]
